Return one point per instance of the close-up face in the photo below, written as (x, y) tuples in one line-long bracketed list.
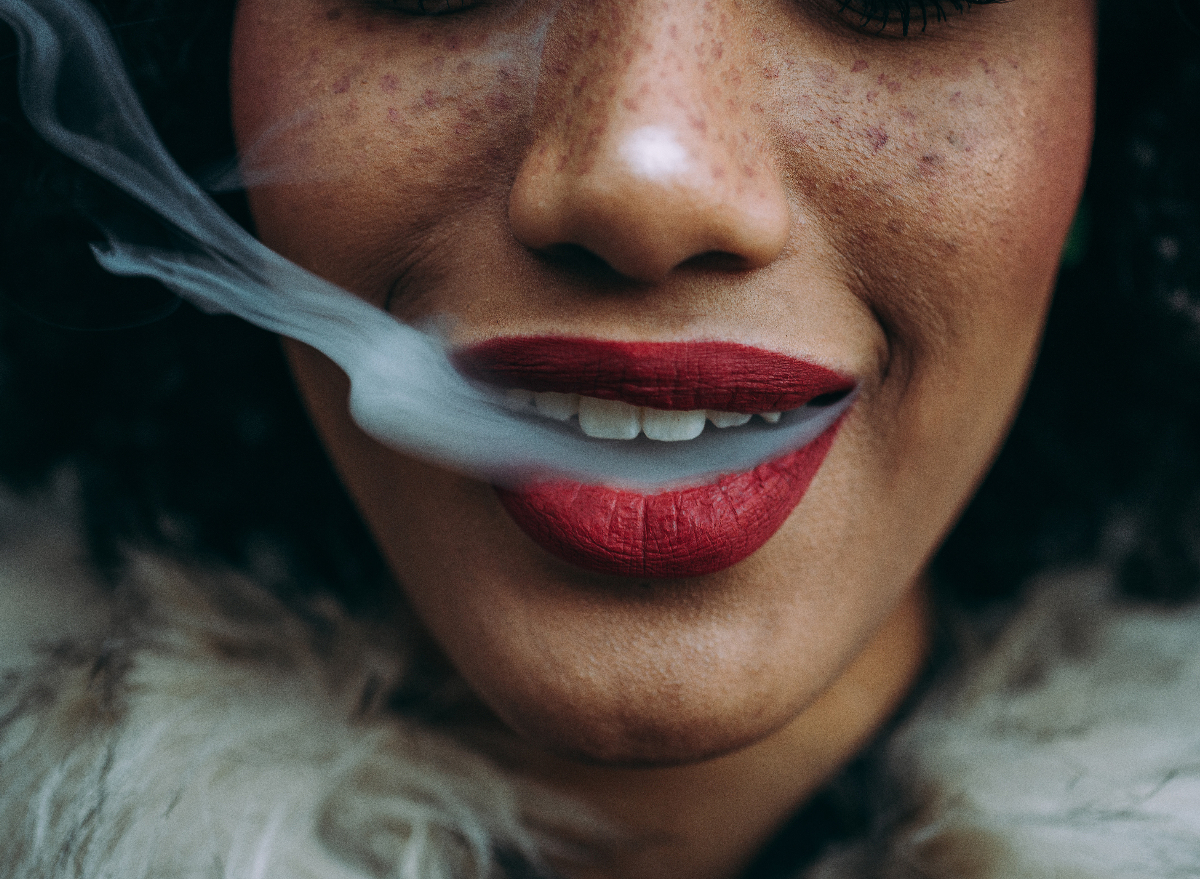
[(886, 211)]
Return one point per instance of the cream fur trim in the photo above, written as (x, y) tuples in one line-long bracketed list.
[(1070, 750)]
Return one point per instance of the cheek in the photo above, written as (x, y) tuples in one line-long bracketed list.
[(940, 171), (361, 136)]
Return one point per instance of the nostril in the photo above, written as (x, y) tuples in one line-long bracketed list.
[(580, 263), (716, 261)]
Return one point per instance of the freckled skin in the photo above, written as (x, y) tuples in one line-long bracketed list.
[(891, 208)]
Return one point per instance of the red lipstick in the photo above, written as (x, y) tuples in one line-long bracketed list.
[(679, 533), (664, 375)]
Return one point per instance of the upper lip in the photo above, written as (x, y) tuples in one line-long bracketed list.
[(725, 376)]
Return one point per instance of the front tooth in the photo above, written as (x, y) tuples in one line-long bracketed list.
[(728, 419), (771, 417), (554, 405), (672, 426), (609, 419)]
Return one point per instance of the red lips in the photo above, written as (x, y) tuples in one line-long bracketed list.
[(663, 375), (680, 533)]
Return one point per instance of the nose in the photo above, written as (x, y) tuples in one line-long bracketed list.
[(647, 151)]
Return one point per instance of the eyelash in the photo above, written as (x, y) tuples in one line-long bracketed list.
[(881, 13), (870, 13), (428, 8)]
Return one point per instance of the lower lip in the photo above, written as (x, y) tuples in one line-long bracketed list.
[(685, 533)]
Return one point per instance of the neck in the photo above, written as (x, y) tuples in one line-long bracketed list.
[(708, 820)]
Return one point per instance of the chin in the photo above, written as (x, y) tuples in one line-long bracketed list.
[(655, 731)]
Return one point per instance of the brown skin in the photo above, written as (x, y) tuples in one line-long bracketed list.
[(892, 208)]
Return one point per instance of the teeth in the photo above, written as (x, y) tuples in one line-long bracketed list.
[(558, 406), (609, 419), (672, 426), (613, 419), (727, 419)]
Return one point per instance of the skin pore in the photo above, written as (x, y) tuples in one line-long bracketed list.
[(754, 171)]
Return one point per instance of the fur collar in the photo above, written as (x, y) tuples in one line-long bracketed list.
[(190, 725)]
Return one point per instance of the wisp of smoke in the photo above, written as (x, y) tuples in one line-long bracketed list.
[(404, 390)]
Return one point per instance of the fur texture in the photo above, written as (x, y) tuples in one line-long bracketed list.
[(189, 725)]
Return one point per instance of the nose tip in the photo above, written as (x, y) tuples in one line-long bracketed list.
[(647, 198)]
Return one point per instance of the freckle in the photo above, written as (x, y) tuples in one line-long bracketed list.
[(823, 72), (859, 66), (393, 115), (388, 82), (498, 102), (430, 98), (871, 96), (333, 14), (593, 37), (893, 87), (877, 137), (673, 30), (956, 99), (341, 86), (718, 172), (631, 104), (895, 226)]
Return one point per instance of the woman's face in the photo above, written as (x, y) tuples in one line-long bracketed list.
[(763, 172)]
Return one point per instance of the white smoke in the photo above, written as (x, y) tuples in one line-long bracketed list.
[(404, 390)]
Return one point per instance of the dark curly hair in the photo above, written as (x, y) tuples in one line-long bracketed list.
[(186, 432)]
